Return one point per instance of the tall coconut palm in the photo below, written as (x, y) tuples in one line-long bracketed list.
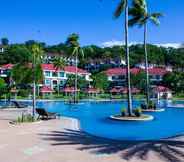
[(77, 51), (123, 7), (140, 16), (59, 63), (37, 54)]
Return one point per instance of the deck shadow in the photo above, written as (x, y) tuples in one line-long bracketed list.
[(169, 150)]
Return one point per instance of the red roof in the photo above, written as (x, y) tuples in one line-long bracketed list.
[(92, 90), (115, 90), (121, 71), (133, 90), (70, 69), (124, 90), (49, 67), (69, 90), (161, 89), (7, 66), (46, 89), (157, 71)]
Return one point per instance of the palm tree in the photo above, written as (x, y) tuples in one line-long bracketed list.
[(73, 43), (140, 16), (59, 63), (123, 7), (37, 53)]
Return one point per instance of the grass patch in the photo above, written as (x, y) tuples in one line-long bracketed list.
[(26, 118)]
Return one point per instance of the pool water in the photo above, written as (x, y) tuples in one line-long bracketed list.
[(94, 119)]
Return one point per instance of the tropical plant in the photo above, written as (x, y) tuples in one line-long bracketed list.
[(138, 112), (123, 112), (174, 81), (139, 80), (73, 43), (59, 63), (25, 118), (124, 7), (17, 54), (151, 105), (100, 81), (140, 16), (81, 81), (2, 87), (37, 55), (4, 41)]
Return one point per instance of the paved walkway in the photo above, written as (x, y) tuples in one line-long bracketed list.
[(61, 141)]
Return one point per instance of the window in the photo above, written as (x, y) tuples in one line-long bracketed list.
[(62, 74), (62, 82), (47, 82), (120, 77), (158, 77), (54, 74), (55, 82), (47, 73)]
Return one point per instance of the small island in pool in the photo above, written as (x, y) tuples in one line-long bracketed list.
[(132, 118), (136, 115)]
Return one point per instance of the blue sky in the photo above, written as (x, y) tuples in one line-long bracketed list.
[(52, 20)]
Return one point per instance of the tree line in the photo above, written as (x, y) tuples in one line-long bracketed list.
[(174, 57)]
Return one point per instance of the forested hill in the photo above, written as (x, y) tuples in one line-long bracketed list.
[(156, 55)]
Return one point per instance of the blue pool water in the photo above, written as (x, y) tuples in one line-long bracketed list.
[(94, 120)]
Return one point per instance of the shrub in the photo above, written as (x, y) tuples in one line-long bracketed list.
[(24, 92), (138, 112), (25, 118), (123, 112), (151, 105)]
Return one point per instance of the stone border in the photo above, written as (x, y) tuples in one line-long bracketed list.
[(152, 110), (120, 118), (176, 106)]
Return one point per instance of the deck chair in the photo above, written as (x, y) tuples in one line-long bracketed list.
[(43, 114)]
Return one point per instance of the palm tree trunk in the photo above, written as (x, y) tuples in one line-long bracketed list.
[(76, 75), (34, 98), (58, 87), (34, 88), (128, 62), (146, 65)]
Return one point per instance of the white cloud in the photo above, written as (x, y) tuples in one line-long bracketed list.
[(174, 45), (112, 43), (119, 43), (116, 43)]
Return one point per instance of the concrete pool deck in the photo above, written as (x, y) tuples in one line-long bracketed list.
[(60, 140)]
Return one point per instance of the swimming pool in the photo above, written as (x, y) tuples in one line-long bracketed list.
[(94, 119)]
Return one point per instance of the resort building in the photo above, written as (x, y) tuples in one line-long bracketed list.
[(102, 64), (5, 69), (52, 77), (150, 66), (161, 92), (156, 75), (57, 77), (117, 76), (46, 91), (50, 56)]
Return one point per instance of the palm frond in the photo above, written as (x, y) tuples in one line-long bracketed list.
[(134, 21), (157, 14), (120, 8), (154, 18), (75, 51), (81, 51)]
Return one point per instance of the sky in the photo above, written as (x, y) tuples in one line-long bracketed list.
[(52, 21)]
